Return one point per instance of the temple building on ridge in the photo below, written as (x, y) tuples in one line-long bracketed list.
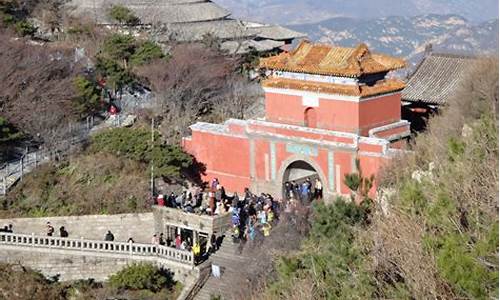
[(326, 107), (433, 85), (189, 21)]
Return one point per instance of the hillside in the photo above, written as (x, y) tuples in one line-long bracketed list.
[(407, 36), (298, 12), (434, 233)]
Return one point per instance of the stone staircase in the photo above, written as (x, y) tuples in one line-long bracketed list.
[(15, 170), (11, 172), (231, 263)]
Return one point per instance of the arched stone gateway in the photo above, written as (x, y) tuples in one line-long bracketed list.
[(301, 167), (318, 120)]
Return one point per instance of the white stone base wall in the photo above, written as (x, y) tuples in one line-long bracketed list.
[(140, 227), (71, 265)]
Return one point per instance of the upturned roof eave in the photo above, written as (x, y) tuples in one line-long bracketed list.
[(326, 73)]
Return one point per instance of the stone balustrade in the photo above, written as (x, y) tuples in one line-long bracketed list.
[(133, 249)]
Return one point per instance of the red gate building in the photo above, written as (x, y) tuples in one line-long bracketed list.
[(325, 107)]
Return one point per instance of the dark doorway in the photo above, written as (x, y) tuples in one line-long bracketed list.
[(310, 117), (295, 176)]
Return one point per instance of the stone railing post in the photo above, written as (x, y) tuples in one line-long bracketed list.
[(81, 243), (22, 167), (32, 239)]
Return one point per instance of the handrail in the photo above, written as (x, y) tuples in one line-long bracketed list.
[(134, 249), (205, 273)]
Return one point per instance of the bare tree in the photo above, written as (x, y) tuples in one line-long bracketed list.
[(37, 88), (196, 83)]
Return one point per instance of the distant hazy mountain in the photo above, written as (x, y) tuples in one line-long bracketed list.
[(309, 11), (407, 36)]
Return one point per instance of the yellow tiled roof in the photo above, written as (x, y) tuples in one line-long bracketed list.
[(328, 60), (382, 87)]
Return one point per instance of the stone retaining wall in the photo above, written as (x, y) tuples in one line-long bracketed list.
[(69, 265), (93, 227)]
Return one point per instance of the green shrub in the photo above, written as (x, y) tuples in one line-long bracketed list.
[(7, 132), (116, 75), (136, 144), (24, 28), (119, 46), (88, 100), (145, 53), (142, 276), (458, 263), (123, 15), (329, 256), (330, 219)]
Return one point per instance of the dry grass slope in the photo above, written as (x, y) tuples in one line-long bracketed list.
[(87, 184)]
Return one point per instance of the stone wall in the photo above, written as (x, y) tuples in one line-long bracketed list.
[(178, 218), (94, 227), (70, 265)]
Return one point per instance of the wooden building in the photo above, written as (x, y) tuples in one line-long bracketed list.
[(432, 85)]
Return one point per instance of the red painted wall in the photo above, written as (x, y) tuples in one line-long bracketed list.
[(338, 115), (285, 109), (228, 158), (330, 114), (225, 157), (378, 112), (372, 165), (344, 159), (388, 133)]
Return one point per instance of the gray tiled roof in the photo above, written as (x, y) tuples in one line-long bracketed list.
[(151, 11), (190, 20), (229, 29), (273, 32), (239, 47), (437, 78), (224, 29)]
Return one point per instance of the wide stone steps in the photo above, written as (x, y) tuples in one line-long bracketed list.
[(230, 262)]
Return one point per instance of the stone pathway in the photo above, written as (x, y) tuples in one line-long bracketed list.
[(14, 170), (229, 259)]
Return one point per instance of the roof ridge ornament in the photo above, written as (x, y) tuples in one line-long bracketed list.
[(360, 53), (329, 60)]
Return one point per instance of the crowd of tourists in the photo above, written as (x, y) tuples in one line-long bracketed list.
[(212, 201), (251, 215), (304, 192)]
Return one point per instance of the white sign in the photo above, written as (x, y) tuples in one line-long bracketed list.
[(310, 101)]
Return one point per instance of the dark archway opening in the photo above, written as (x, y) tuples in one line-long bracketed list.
[(302, 182)]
